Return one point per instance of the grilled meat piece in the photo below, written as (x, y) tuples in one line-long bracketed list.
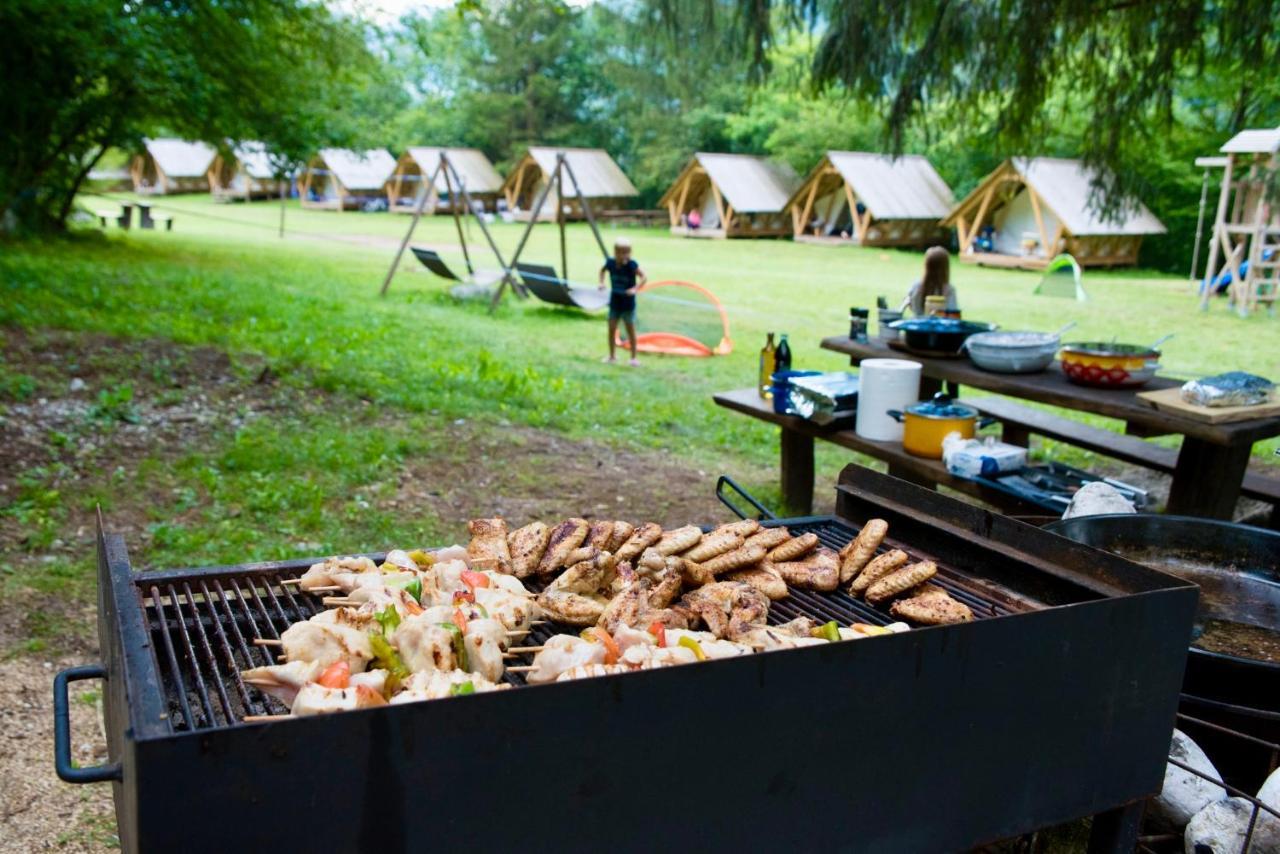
[(728, 608), (590, 671), (283, 681), (694, 574), (930, 605), (652, 657), (878, 569), (565, 537), (642, 602), (744, 528), (316, 699), (424, 644), (769, 538), (439, 685), (651, 561), (763, 577), (562, 653), (711, 646), (790, 635), (861, 549), (679, 540), (488, 546), (901, 580), (600, 535), (527, 546), (323, 574), (736, 559), (622, 532), (713, 544), (820, 571), (579, 596), (326, 643), (641, 538), (794, 548)]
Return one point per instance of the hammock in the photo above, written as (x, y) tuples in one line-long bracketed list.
[(680, 319)]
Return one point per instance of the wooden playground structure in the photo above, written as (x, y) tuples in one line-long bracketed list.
[(1245, 240)]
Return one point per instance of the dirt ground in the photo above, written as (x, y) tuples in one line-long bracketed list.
[(184, 399)]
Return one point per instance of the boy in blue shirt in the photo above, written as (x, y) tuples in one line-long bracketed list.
[(625, 278)]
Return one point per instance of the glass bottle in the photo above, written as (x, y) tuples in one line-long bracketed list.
[(782, 360), (768, 362)]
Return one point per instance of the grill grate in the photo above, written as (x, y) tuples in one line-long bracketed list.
[(203, 626)]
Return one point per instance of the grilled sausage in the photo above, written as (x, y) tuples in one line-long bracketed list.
[(901, 580), (679, 540), (794, 548), (878, 569), (715, 543), (861, 549)]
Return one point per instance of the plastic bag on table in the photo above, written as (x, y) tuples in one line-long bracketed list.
[(981, 457), (1234, 388)]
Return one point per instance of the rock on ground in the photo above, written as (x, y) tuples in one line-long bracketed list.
[(1184, 794)]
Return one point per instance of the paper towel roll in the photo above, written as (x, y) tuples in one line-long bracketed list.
[(885, 384)]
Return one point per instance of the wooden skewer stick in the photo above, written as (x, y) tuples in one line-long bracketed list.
[(539, 622), (518, 634), (339, 602), (522, 668), (260, 719), (524, 650), (288, 582), (328, 588), (267, 642)]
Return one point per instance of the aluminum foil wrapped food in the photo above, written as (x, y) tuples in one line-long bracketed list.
[(1235, 388)]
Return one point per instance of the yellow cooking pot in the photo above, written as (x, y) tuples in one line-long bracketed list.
[(927, 423)]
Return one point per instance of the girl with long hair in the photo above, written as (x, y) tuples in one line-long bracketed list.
[(936, 282)]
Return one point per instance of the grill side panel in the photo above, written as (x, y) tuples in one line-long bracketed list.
[(938, 739)]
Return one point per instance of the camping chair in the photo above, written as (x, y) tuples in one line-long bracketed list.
[(542, 281), (476, 285), (1062, 279)]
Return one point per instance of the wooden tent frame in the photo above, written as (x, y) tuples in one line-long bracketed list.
[(690, 184), (527, 169), (973, 212), (258, 188), (401, 175), (452, 179), (824, 179), (165, 185), (1245, 227)]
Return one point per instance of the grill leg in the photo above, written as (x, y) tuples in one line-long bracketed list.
[(797, 472), (1116, 831)]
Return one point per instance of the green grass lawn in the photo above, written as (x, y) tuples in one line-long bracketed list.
[(309, 307)]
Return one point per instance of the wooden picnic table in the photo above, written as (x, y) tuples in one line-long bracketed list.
[(1211, 462)]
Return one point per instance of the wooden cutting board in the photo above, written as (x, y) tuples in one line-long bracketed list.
[(1170, 400)]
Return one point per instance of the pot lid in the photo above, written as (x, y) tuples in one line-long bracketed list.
[(942, 406), (940, 324)]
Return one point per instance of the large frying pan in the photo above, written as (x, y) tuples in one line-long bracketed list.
[(1233, 669)]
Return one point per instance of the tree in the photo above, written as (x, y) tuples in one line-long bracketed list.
[(991, 66), (80, 76)]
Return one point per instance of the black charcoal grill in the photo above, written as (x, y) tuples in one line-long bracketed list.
[(1056, 703)]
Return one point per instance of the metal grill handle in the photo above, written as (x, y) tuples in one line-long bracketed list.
[(62, 729), (724, 481)]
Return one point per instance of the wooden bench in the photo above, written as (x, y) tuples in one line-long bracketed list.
[(642, 218), (162, 219), (1019, 422), (121, 216), (797, 437)]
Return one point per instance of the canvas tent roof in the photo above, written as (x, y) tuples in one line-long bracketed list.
[(1263, 141), (598, 175), (254, 159), (1065, 186), (477, 173), (359, 170), (907, 187), (748, 182), (178, 158)]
